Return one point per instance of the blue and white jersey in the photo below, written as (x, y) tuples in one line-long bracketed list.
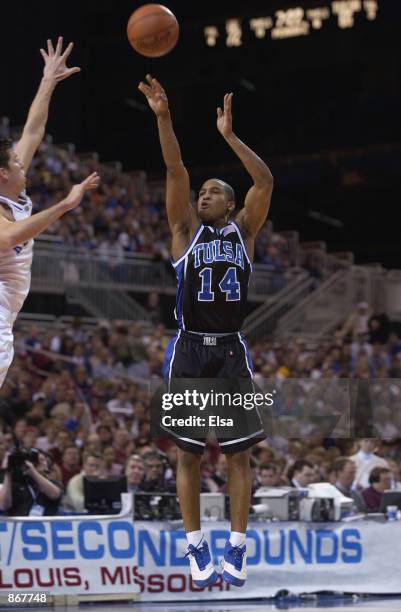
[(15, 263), (213, 277)]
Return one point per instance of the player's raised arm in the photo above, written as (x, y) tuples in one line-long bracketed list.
[(257, 201), (181, 217), (18, 232), (55, 70)]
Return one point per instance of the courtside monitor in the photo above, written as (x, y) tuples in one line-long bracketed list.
[(390, 498), (103, 495)]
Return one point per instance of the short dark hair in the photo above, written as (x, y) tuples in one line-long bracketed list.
[(72, 445), (48, 456), (376, 473), (133, 457), (88, 453), (229, 191), (152, 455), (106, 427), (298, 466), (5, 148), (340, 463)]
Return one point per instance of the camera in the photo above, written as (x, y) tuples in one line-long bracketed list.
[(156, 507), (16, 462)]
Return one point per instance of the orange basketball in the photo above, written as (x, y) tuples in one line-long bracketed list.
[(153, 30)]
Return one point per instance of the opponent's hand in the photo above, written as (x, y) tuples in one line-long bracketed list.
[(155, 95), (78, 191), (224, 117), (55, 61)]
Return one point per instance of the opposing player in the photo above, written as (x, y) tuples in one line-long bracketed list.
[(212, 249), (17, 226)]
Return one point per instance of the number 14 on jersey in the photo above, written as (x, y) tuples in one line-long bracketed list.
[(228, 285)]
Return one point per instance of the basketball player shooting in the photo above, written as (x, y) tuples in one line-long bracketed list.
[(212, 249), (17, 226)]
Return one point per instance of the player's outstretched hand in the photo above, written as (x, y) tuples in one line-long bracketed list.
[(155, 95), (56, 62), (224, 117), (78, 191)]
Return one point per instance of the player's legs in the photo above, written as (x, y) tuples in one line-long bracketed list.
[(6, 346), (239, 489), (188, 488), (249, 430)]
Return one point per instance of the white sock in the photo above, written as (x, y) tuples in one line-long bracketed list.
[(194, 537), (237, 538)]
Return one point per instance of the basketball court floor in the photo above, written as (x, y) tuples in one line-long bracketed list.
[(334, 604)]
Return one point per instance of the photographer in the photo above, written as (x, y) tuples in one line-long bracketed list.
[(27, 490)]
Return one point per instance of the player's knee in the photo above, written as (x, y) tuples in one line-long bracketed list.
[(188, 460), (239, 460)]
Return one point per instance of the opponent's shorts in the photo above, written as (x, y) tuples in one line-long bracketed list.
[(7, 319), (226, 362)]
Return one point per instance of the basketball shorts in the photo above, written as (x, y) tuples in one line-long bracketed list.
[(6, 342), (225, 366)]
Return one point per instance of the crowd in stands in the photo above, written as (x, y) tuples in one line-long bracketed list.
[(79, 395), (125, 215)]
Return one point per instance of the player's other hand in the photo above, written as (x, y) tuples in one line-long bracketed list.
[(78, 191), (56, 62), (224, 117), (155, 95)]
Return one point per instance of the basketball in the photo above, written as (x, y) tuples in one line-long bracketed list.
[(153, 30)]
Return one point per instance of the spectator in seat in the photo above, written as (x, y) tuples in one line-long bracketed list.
[(71, 463), (154, 479), (268, 475), (394, 344), (30, 437), (19, 430), (345, 471), (379, 481), (93, 443), (356, 324), (301, 474), (63, 439), (123, 445), (105, 434), (134, 471), (366, 460), (110, 465)]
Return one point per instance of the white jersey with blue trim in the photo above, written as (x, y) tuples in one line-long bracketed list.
[(16, 262)]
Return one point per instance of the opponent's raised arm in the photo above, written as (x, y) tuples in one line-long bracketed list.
[(181, 216), (257, 200), (55, 70), (18, 232)]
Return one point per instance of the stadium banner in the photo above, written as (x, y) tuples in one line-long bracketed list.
[(95, 555)]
